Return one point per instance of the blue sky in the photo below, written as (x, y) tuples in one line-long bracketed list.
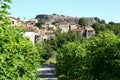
[(104, 9)]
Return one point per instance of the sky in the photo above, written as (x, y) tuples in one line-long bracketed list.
[(109, 10)]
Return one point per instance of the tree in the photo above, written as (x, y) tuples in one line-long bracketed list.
[(63, 38), (55, 23), (40, 23), (83, 22), (103, 21), (114, 27), (99, 27), (103, 57), (4, 5), (96, 59), (19, 58), (70, 61), (112, 23), (97, 19)]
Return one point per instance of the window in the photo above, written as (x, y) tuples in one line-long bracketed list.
[(45, 40), (12, 22)]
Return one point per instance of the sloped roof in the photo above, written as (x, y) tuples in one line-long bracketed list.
[(34, 28), (89, 28), (77, 30), (63, 23), (16, 19), (48, 31)]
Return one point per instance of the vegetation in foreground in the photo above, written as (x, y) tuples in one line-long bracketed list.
[(19, 58), (97, 58)]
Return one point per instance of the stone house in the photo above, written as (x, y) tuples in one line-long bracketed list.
[(78, 31), (31, 22), (88, 32), (16, 22), (48, 34), (32, 29), (50, 26), (35, 38), (64, 26), (33, 32), (72, 26)]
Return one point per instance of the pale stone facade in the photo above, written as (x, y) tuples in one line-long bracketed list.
[(31, 22), (16, 22), (89, 31), (73, 26), (48, 34), (34, 37), (64, 26)]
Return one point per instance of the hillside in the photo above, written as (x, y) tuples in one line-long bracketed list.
[(61, 18)]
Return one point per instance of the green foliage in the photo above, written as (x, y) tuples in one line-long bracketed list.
[(97, 20), (103, 21), (70, 61), (55, 23), (97, 59), (99, 27), (115, 27), (83, 22), (113, 23), (4, 5), (48, 51), (19, 58), (40, 23), (63, 38), (103, 57), (42, 51)]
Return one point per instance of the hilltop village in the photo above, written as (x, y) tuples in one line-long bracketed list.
[(51, 23)]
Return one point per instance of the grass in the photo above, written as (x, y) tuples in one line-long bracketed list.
[(52, 59)]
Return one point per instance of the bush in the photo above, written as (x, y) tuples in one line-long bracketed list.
[(103, 57), (70, 61), (19, 59), (97, 59)]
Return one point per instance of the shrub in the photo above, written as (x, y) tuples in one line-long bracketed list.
[(70, 61), (103, 57), (19, 59)]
